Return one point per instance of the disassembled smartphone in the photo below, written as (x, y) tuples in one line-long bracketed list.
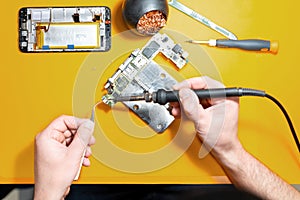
[(64, 29), (140, 73)]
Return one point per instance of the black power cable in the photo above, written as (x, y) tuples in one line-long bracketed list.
[(288, 119)]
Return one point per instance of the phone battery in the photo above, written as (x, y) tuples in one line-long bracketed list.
[(68, 36)]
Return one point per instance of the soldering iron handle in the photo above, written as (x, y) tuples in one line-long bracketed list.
[(162, 96)]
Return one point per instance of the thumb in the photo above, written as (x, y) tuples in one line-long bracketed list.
[(82, 137), (190, 104)]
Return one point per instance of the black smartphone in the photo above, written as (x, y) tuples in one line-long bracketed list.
[(65, 29)]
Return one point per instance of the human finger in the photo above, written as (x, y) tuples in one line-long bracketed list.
[(190, 104), (68, 133), (82, 137), (58, 136), (65, 122), (88, 152), (195, 83), (92, 141), (181, 85), (175, 111), (206, 82), (203, 82), (86, 162)]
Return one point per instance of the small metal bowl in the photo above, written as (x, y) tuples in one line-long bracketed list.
[(145, 17)]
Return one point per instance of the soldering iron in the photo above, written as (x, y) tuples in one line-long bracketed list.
[(162, 97)]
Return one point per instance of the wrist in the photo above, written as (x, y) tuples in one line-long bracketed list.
[(229, 157), (48, 192)]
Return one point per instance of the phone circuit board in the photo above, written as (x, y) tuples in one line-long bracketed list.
[(64, 29), (140, 73)]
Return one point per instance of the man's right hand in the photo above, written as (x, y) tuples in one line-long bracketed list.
[(215, 120)]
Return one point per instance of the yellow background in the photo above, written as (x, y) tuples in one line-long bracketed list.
[(36, 88)]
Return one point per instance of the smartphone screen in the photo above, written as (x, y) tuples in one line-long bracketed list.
[(65, 29)]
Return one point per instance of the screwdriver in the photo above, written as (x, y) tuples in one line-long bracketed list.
[(249, 45)]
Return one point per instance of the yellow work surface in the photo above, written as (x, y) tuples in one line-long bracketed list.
[(38, 87)]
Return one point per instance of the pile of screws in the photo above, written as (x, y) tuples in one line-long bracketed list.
[(151, 22)]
